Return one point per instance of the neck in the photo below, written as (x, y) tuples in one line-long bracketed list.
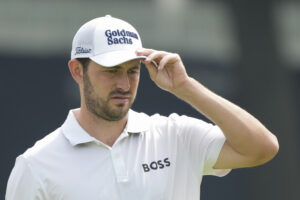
[(103, 130)]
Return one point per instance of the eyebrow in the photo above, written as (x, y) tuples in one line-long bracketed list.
[(135, 67), (119, 67), (116, 67)]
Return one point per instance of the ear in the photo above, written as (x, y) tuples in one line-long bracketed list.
[(76, 70)]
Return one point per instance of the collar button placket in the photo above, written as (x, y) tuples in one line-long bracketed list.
[(119, 164)]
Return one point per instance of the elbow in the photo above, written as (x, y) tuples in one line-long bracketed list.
[(269, 150), (276, 145), (273, 147)]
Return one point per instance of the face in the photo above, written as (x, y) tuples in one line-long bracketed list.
[(109, 92)]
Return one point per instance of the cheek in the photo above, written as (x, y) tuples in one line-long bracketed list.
[(103, 83), (101, 89), (135, 81)]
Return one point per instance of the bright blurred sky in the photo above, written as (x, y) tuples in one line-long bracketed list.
[(194, 28)]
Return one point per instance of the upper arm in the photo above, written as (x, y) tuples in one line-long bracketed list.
[(23, 184), (231, 159)]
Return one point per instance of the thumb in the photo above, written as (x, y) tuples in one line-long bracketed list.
[(151, 69)]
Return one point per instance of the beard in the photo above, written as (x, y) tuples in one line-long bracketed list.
[(100, 107)]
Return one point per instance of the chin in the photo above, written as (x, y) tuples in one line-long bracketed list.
[(120, 112)]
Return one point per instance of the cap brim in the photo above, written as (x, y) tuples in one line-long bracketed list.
[(115, 58)]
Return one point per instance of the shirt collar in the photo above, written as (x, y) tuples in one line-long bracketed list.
[(74, 132), (137, 123)]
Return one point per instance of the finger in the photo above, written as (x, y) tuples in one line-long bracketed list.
[(152, 62), (156, 56), (144, 52), (152, 70), (168, 59)]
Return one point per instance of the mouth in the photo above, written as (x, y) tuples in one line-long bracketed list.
[(120, 98)]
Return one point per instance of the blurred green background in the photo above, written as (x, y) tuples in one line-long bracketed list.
[(246, 51)]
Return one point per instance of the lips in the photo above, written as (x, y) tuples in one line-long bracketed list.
[(120, 98)]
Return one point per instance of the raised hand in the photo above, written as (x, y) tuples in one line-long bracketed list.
[(170, 73)]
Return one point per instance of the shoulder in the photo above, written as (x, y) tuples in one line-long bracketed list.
[(142, 119), (46, 145), (174, 122), (177, 121), (141, 116)]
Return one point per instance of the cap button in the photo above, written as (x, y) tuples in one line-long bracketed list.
[(107, 15)]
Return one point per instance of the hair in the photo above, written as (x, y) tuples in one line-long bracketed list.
[(84, 62)]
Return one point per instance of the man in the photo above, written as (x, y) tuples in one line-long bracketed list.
[(105, 150)]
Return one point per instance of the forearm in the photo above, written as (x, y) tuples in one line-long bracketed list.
[(245, 134), (248, 142)]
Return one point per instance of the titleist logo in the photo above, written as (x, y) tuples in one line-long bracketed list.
[(81, 50)]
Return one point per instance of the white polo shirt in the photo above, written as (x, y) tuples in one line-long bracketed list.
[(154, 158)]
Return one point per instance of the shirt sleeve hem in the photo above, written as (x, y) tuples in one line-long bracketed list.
[(217, 146)]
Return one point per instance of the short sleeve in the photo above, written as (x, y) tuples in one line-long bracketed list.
[(202, 142), (23, 184), (212, 153)]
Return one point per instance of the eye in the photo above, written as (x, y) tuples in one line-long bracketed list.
[(111, 70), (133, 71)]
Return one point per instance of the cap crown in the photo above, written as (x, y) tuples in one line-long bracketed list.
[(104, 35)]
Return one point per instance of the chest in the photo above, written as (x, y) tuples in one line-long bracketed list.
[(141, 169)]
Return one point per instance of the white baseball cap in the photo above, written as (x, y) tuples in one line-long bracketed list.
[(107, 41)]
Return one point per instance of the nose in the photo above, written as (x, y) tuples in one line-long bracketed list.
[(123, 82)]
